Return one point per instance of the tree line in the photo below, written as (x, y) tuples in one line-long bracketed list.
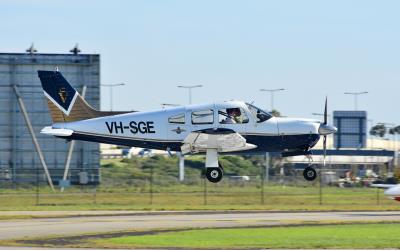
[(380, 130)]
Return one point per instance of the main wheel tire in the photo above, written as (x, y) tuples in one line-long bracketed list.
[(309, 174), (214, 174)]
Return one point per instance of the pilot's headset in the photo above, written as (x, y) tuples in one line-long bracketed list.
[(230, 112), (237, 112), (237, 115)]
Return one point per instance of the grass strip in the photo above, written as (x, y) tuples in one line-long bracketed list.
[(327, 236)]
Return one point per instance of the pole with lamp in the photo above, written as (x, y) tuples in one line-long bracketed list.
[(267, 158), (180, 155), (112, 86), (189, 88), (272, 92), (356, 94)]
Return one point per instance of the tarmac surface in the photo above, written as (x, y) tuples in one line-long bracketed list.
[(78, 223)]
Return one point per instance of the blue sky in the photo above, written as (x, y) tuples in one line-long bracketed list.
[(233, 48)]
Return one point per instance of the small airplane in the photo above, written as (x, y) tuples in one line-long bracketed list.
[(221, 127), (392, 190)]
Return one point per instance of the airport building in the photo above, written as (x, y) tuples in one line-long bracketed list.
[(352, 129), (23, 106)]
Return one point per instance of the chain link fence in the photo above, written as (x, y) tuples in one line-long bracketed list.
[(164, 191)]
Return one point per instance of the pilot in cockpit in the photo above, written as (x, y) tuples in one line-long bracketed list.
[(233, 116)]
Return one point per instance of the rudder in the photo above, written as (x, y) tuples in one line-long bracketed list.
[(65, 103)]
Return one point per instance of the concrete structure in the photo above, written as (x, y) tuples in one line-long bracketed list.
[(19, 159)]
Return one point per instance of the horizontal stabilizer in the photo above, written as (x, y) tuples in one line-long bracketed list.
[(56, 131)]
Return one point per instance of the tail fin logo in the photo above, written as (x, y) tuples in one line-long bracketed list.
[(63, 94), (58, 90)]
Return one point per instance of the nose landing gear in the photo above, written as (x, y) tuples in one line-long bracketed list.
[(309, 172)]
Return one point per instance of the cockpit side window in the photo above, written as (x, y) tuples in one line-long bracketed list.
[(232, 116), (259, 114), (177, 119)]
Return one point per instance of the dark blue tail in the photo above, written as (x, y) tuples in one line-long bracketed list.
[(65, 103), (58, 90)]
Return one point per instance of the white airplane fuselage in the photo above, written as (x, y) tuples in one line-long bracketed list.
[(156, 130), (393, 192)]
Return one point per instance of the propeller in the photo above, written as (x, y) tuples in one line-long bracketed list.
[(325, 123), (325, 129)]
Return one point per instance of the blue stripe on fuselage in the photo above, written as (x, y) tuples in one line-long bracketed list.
[(283, 142), (264, 143)]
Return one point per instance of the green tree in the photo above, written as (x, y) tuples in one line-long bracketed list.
[(378, 130), (275, 113), (394, 130)]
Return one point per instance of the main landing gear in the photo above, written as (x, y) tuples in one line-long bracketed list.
[(309, 172), (214, 171), (214, 174)]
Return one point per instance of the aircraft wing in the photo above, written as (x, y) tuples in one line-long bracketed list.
[(223, 140)]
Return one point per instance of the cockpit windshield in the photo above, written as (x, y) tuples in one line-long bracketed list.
[(259, 114)]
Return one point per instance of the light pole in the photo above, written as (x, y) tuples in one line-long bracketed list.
[(267, 155), (356, 94), (271, 91), (190, 87), (111, 86), (180, 155)]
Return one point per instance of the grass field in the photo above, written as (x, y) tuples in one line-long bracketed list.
[(218, 197), (330, 236)]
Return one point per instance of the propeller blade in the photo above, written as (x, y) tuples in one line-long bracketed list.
[(325, 123), (326, 111), (324, 145)]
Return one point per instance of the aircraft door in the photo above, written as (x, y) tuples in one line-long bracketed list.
[(234, 118), (265, 131)]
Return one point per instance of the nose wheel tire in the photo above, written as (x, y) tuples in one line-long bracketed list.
[(214, 174), (309, 174)]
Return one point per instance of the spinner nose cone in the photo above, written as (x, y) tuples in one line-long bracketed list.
[(326, 129)]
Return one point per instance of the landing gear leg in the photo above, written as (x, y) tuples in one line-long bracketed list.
[(309, 172), (214, 172)]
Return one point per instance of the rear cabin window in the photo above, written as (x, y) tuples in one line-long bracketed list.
[(203, 117), (177, 119)]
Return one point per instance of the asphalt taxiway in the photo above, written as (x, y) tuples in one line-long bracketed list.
[(78, 223)]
